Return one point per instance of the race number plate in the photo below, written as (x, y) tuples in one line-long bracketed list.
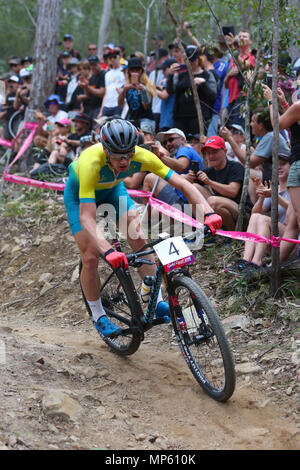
[(173, 253)]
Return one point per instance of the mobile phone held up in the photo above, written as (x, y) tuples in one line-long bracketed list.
[(195, 166), (182, 68), (227, 30)]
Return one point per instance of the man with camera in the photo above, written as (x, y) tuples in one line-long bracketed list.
[(178, 156)]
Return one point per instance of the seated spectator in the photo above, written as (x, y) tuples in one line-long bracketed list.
[(262, 154), (238, 135), (45, 128), (197, 142), (149, 143), (260, 222), (138, 92), (114, 80), (23, 92), (178, 156), (8, 109), (221, 183), (167, 101), (185, 113)]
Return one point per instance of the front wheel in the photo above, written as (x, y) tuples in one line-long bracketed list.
[(202, 339)]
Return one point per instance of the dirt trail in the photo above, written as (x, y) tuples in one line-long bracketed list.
[(62, 388)]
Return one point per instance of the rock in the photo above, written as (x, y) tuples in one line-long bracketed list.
[(58, 404), (101, 410), (45, 277), (75, 274), (289, 391), (247, 368), (141, 437), (45, 288), (3, 446), (296, 358), (236, 321)]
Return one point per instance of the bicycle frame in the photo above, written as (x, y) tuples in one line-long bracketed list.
[(147, 321)]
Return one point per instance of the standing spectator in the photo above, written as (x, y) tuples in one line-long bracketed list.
[(234, 79), (26, 61), (15, 65), (176, 52), (156, 76), (72, 85), (167, 101), (138, 92), (23, 92), (114, 80), (63, 75), (68, 47), (94, 88), (210, 62), (185, 113)]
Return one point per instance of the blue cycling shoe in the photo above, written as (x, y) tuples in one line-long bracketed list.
[(106, 328), (162, 311)]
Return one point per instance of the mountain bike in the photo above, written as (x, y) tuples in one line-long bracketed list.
[(196, 324)]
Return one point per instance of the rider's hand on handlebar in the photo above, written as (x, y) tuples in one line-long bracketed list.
[(116, 259), (213, 221)]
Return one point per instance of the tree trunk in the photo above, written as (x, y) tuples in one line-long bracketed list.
[(250, 88), (275, 278), (102, 34), (45, 54)]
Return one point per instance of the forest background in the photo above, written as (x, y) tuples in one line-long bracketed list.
[(127, 23)]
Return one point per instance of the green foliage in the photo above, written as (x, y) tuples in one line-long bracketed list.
[(81, 18)]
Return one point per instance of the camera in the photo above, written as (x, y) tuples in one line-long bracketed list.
[(195, 166)]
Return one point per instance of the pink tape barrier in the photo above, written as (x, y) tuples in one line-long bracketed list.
[(153, 202)]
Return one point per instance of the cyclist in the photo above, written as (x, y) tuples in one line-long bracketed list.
[(97, 177)]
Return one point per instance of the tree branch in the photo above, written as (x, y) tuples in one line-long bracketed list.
[(28, 12)]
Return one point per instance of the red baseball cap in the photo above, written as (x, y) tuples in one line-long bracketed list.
[(214, 142)]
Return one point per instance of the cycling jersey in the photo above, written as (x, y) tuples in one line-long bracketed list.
[(93, 172), (91, 179)]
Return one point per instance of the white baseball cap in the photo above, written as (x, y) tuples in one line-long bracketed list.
[(174, 130)]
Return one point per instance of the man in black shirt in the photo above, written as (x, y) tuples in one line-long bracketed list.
[(223, 181), (94, 88)]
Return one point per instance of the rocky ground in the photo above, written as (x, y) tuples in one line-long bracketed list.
[(62, 388)]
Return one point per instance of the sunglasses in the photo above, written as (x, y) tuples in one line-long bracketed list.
[(92, 48), (118, 157), (113, 56), (170, 140)]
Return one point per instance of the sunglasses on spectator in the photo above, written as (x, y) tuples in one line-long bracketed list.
[(170, 140), (92, 48), (117, 157), (13, 65), (113, 56), (236, 132)]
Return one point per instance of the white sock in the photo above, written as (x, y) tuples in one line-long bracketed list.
[(96, 308), (159, 297)]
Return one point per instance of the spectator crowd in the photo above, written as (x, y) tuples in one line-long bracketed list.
[(155, 93)]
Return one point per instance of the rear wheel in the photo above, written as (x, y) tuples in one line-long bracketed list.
[(202, 340), (120, 305)]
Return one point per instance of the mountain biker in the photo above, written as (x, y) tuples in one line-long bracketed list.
[(97, 177)]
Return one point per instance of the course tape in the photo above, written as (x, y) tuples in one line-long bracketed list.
[(153, 202)]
